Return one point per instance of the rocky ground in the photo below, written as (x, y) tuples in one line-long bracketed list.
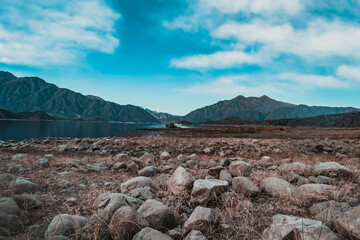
[(180, 188)]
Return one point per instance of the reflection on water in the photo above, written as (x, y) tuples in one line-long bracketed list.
[(19, 130)]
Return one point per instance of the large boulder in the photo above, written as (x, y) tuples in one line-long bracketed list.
[(349, 224), (137, 182), (201, 219), (297, 228), (63, 225), (181, 181), (151, 234), (295, 167), (11, 217), (157, 214), (207, 190), (329, 212), (309, 193), (24, 185), (245, 186), (331, 169), (125, 223), (240, 169), (277, 187)]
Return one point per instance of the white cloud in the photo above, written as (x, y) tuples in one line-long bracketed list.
[(253, 6), (315, 81), (233, 85), (217, 60), (55, 32), (349, 72)]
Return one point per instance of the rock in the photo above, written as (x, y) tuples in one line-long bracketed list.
[(331, 169), (26, 201), (137, 182), (93, 168), (291, 227), (165, 156), (215, 171), (349, 224), (151, 234), (125, 223), (11, 217), (329, 212), (132, 167), (277, 187), (240, 169), (245, 186), (225, 175), (157, 214), (42, 162), (63, 225), (142, 193), (121, 157), (266, 162), (201, 219), (181, 158), (111, 202), (286, 160), (24, 185), (50, 156), (19, 156), (119, 165), (309, 193), (195, 235), (295, 167), (147, 160), (181, 181), (207, 190), (148, 171)]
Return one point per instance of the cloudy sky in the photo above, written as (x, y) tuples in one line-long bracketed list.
[(178, 55)]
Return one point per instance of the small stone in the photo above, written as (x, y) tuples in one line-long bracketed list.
[(266, 162), (151, 234), (148, 171), (165, 156), (207, 190), (157, 214), (195, 235), (181, 181), (11, 217), (137, 182), (24, 185), (225, 175), (64, 225), (142, 193), (349, 224), (42, 163), (332, 169), (277, 187), (295, 167), (309, 193)]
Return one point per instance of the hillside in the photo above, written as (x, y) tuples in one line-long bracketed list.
[(37, 115), (259, 109), (28, 94)]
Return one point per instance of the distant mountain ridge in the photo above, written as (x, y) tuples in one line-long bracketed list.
[(37, 115), (28, 94), (259, 109)]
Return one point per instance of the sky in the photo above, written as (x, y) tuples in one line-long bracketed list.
[(179, 55)]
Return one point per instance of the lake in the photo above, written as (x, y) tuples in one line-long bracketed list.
[(25, 129)]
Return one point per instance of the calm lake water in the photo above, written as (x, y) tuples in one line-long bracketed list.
[(19, 130)]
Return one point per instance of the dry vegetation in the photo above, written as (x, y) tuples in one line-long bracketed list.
[(69, 186)]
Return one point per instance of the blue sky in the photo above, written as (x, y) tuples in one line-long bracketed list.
[(176, 56)]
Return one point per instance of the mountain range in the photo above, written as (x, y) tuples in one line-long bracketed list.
[(33, 94), (28, 94)]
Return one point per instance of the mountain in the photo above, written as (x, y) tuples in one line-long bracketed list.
[(161, 116), (37, 115), (343, 120), (259, 109), (28, 94)]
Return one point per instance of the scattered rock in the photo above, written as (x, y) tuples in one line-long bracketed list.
[(266, 162), (11, 217), (137, 182), (277, 187), (207, 190), (332, 169), (201, 219), (63, 225), (26, 201), (165, 156), (147, 160), (110, 202), (245, 186), (295, 167), (92, 168), (142, 193), (195, 235), (42, 162), (125, 223), (19, 156), (148, 171), (24, 185), (225, 175), (151, 234), (157, 214), (349, 224), (181, 181), (240, 169), (309, 193)]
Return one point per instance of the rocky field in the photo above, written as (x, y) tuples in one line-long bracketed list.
[(180, 188)]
